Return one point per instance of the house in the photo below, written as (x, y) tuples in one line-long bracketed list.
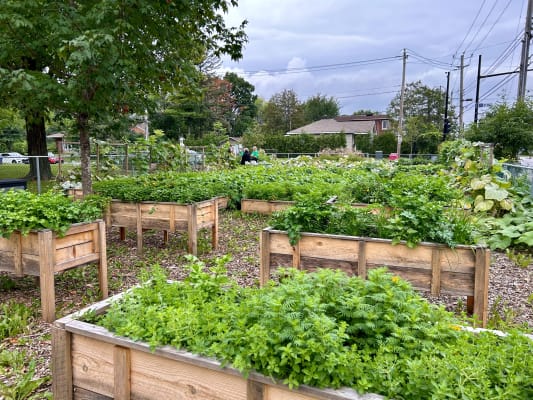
[(350, 125)]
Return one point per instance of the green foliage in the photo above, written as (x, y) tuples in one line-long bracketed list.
[(24, 211), (386, 142), (24, 385), (414, 208), (319, 107), (325, 329), (306, 144), (14, 318), (507, 127)]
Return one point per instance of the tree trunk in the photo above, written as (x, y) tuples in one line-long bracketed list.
[(85, 153), (36, 139)]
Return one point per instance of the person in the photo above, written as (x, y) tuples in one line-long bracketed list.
[(255, 154), (245, 157)]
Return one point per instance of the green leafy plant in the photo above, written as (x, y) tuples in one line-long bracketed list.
[(24, 211), (325, 329), (21, 384), (14, 318)]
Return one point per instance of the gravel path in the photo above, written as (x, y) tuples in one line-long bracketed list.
[(510, 291)]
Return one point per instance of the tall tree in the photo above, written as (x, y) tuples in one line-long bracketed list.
[(107, 57), (27, 31), (319, 107), (509, 128), (283, 112), (425, 105), (244, 111)]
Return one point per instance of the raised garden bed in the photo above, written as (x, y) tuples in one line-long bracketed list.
[(167, 217), (268, 207), (89, 362), (43, 253), (439, 269)]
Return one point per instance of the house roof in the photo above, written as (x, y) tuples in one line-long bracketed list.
[(366, 117), (332, 125)]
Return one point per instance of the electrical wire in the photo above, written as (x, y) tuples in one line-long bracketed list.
[(469, 29), (326, 67), (493, 25), (481, 26)]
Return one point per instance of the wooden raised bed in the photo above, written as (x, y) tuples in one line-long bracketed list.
[(166, 217), (439, 269), (249, 206), (42, 254), (89, 362)]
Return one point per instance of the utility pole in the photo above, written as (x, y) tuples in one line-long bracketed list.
[(524, 60), (476, 110), (446, 128), (461, 100), (400, 117)]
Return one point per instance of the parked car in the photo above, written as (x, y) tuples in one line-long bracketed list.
[(53, 159), (14, 158)]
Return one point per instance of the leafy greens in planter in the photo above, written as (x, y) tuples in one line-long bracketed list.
[(325, 329), (419, 220), (24, 211)]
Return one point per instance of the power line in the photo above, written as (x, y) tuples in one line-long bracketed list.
[(481, 26), (321, 67), (493, 25), (469, 29)]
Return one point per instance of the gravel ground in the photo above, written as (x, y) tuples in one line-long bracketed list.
[(510, 290)]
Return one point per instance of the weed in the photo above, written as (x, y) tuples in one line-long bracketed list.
[(21, 383), (519, 258), (14, 318)]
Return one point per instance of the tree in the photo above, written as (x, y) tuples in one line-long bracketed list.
[(424, 110), (244, 110), (509, 128), (27, 29), (282, 113), (319, 107), (106, 58)]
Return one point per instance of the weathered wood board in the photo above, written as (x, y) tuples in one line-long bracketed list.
[(167, 217), (438, 269), (43, 254), (89, 362)]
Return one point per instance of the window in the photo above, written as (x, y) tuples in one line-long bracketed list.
[(385, 124)]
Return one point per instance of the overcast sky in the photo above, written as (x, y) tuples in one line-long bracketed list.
[(351, 50)]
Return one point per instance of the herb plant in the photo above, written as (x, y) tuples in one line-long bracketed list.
[(325, 329), (24, 211)]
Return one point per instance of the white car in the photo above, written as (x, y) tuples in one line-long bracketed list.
[(13, 158)]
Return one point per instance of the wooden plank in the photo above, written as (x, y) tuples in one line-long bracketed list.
[(171, 222), (161, 378), (101, 249), (311, 264), (192, 230), (481, 286), (330, 248), (61, 364), (264, 251), (296, 255), (82, 394), (46, 274), (254, 390), (214, 229), (17, 253), (92, 365), (76, 262), (139, 228), (435, 272), (122, 368), (361, 262)]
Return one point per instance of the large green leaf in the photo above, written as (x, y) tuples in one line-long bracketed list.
[(526, 238), (494, 192)]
